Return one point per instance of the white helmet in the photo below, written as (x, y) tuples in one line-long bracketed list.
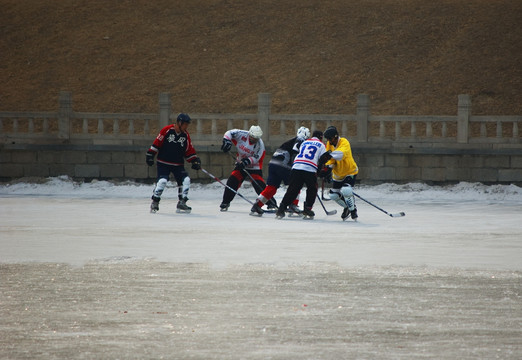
[(255, 132), (303, 133)]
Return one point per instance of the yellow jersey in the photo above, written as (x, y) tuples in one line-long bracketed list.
[(342, 159)]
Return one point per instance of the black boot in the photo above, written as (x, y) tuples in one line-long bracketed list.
[(280, 212), (154, 206), (224, 206), (308, 213), (182, 206), (354, 213), (294, 209), (345, 214), (256, 210), (271, 204)]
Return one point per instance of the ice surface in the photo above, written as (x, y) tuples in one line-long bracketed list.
[(467, 225), (86, 272)]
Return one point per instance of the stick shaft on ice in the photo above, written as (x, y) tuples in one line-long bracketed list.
[(225, 185), (333, 212), (375, 206)]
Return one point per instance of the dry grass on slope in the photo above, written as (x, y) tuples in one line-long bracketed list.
[(411, 57)]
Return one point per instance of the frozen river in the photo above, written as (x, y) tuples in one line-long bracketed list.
[(87, 272)]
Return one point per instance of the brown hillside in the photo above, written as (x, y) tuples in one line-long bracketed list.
[(314, 56)]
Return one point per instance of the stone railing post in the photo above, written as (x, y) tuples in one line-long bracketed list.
[(164, 109), (363, 117), (264, 102), (64, 114), (463, 115)]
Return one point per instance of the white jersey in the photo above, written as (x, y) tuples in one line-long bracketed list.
[(309, 153), (255, 152)]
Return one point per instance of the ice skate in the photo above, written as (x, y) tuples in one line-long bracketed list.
[(280, 213), (271, 205), (224, 206), (294, 210), (345, 214), (354, 214), (256, 210), (308, 214), (154, 206), (182, 206)]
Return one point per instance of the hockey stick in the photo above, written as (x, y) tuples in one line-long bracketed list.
[(252, 180), (322, 193), (333, 212), (254, 183), (375, 206), (225, 185)]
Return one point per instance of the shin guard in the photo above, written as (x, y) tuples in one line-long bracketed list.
[(160, 186), (335, 195)]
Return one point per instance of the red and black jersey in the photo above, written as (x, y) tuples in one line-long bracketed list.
[(173, 148)]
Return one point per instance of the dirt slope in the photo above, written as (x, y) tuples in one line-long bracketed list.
[(410, 56)]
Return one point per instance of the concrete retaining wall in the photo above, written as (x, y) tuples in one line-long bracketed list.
[(87, 162)]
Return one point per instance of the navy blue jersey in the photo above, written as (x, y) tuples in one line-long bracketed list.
[(173, 148), (285, 154)]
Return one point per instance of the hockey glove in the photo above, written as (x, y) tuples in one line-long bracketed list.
[(196, 164), (226, 146), (325, 157), (240, 165), (326, 174), (150, 159)]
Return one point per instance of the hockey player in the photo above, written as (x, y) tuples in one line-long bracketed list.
[(279, 171), (173, 146), (251, 152), (343, 170), (311, 157)]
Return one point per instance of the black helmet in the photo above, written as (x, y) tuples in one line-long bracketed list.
[(330, 133), (183, 118), (318, 134)]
